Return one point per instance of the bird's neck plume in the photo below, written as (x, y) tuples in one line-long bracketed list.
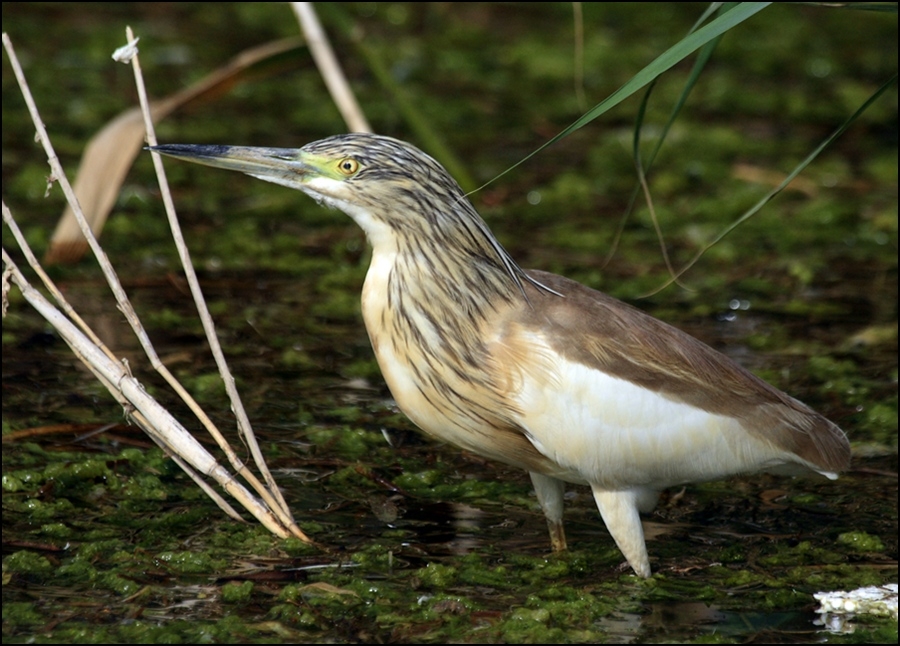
[(449, 254)]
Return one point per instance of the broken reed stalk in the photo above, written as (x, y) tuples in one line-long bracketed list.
[(271, 511), (244, 428)]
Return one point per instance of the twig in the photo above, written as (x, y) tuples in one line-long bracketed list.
[(329, 68), (115, 375), (272, 494), (141, 407)]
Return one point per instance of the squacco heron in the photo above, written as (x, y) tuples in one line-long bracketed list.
[(530, 368)]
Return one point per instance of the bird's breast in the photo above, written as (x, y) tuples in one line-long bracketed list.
[(437, 368), (404, 339)]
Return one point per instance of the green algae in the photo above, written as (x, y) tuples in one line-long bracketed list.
[(861, 542)]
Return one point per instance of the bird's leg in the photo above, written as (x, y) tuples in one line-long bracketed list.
[(550, 494), (619, 510)]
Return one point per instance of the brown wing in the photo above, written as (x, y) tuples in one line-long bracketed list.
[(601, 332)]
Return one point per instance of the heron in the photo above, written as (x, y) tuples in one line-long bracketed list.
[(529, 368)]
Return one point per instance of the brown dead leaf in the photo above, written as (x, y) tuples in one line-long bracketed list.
[(110, 153)]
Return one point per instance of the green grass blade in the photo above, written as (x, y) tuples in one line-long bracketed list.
[(787, 180), (671, 57)]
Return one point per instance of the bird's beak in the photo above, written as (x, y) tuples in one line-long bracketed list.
[(289, 167)]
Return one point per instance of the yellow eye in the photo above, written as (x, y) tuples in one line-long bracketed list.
[(348, 166)]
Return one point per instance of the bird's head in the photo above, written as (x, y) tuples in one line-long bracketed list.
[(376, 180)]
